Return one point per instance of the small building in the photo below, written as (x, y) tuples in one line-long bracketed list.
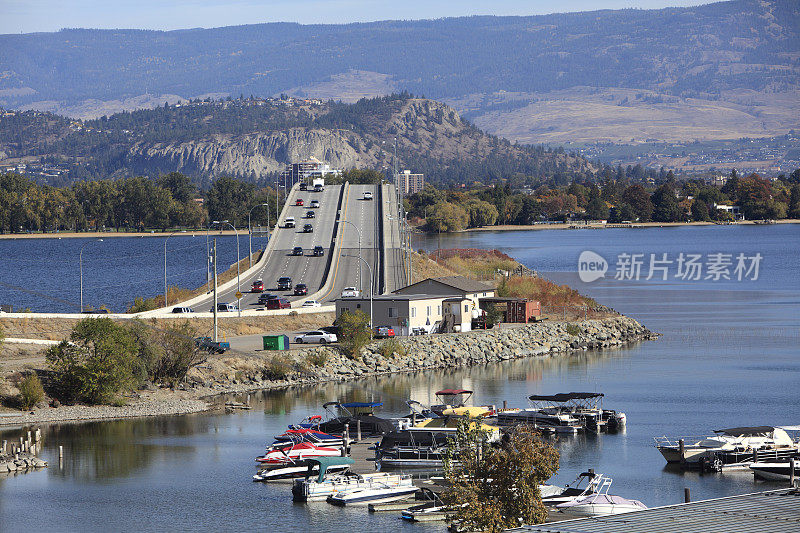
[(405, 313), (516, 310), (451, 286)]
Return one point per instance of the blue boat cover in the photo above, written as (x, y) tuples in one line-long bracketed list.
[(362, 404)]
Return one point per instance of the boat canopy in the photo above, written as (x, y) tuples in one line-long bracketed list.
[(452, 392), (356, 405), (746, 431), (565, 396), (325, 463)]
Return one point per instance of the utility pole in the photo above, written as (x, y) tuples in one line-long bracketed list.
[(215, 291)]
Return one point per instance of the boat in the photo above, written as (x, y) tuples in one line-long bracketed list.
[(282, 454), (309, 435), (302, 467), (377, 492), (351, 413), (413, 448), (775, 471), (566, 413), (455, 398), (733, 448), (600, 503), (585, 484), (326, 484)]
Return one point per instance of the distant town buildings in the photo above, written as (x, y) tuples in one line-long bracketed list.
[(309, 169), (409, 183)]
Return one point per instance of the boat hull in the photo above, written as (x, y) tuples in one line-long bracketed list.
[(365, 497), (598, 509), (774, 471)]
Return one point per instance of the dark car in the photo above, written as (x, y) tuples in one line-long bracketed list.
[(284, 283), (308, 228), (208, 345), (310, 214), (265, 297), (383, 332), (319, 251), (301, 289), (303, 186), (297, 250), (279, 303)]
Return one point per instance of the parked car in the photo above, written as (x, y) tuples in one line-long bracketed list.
[(299, 202), (182, 310), (303, 186), (384, 332), (289, 222), (279, 303), (367, 195), (301, 289), (319, 251), (320, 337), (297, 250), (314, 204), (208, 345), (310, 214), (311, 303), (258, 286), (285, 283), (308, 228), (350, 292), (265, 297), (225, 308)]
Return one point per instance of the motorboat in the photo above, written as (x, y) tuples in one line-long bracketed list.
[(309, 435), (282, 454), (585, 484), (733, 448), (775, 471), (302, 467), (565, 413), (351, 414), (600, 503), (456, 398), (379, 487), (326, 484), (413, 448)]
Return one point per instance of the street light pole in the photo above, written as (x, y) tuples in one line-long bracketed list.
[(238, 260), (166, 303), (360, 277), (250, 233), (370, 291), (80, 267)]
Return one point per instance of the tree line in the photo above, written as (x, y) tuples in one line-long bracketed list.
[(615, 199), (133, 204)]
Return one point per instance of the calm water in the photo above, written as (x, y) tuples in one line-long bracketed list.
[(44, 274), (728, 356)]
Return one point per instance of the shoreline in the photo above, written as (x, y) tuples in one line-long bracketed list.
[(233, 375), (636, 225), (110, 234)]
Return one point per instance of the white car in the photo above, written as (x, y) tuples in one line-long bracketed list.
[(350, 292), (320, 337), (367, 195), (314, 204), (289, 222), (311, 303)]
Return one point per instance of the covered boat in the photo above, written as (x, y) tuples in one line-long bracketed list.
[(350, 413), (302, 467)]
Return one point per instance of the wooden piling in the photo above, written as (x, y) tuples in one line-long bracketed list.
[(38, 435), (346, 441), (5, 445), (791, 472), (504, 404), (686, 495), (358, 430), (682, 450), (60, 452)]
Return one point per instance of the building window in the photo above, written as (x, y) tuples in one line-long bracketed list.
[(438, 309), (466, 308), (429, 310), (413, 312), (358, 306), (392, 312)]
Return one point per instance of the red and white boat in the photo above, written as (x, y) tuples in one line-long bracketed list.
[(291, 452)]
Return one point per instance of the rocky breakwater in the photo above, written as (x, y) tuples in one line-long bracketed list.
[(454, 350)]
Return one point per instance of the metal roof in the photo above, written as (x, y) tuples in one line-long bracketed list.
[(774, 511), (460, 283)]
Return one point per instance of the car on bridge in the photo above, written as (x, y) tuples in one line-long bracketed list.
[(308, 228), (310, 214), (258, 286), (289, 222), (367, 195), (311, 303), (319, 251), (299, 202), (278, 303), (319, 337), (285, 283), (266, 297), (301, 289), (297, 250), (314, 204), (225, 308), (303, 186), (350, 292), (182, 310)]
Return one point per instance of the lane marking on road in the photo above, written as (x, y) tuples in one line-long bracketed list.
[(339, 255)]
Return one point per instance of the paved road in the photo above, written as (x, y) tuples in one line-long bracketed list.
[(302, 269), (394, 255), (349, 271)]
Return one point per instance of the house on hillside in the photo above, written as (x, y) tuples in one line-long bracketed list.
[(450, 286)]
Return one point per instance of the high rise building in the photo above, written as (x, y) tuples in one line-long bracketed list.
[(409, 183), (306, 170)]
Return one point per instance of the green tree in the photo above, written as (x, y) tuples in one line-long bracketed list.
[(180, 187), (230, 199), (636, 197), (597, 209), (354, 332), (700, 211), (481, 213), (665, 205), (447, 217), (96, 364), (495, 488), (755, 198), (794, 201), (31, 391)]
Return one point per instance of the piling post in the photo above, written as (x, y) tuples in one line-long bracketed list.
[(60, 453), (358, 430), (504, 404), (791, 472), (38, 434), (686, 495), (682, 450), (29, 435), (346, 441), (5, 444)]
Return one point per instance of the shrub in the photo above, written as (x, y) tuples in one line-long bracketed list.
[(573, 330), (317, 358), (390, 347), (31, 391), (354, 332), (278, 368)]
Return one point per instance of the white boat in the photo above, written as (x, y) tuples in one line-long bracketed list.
[(303, 467), (377, 490), (289, 452), (601, 503), (307, 490), (586, 484), (734, 447), (778, 471)]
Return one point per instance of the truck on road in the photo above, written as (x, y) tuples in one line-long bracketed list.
[(318, 184)]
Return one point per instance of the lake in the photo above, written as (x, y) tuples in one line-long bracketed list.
[(728, 357)]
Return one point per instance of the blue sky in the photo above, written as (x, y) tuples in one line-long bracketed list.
[(25, 16)]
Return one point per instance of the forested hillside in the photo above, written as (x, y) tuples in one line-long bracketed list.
[(256, 138), (742, 44)]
